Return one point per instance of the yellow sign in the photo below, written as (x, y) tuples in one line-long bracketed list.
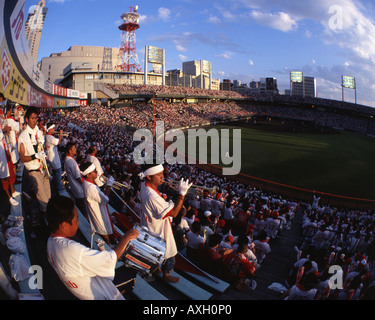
[(12, 84)]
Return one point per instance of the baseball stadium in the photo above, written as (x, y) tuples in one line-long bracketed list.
[(300, 206)]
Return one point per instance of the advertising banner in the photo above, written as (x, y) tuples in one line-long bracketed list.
[(37, 99), (59, 91), (73, 93), (12, 84)]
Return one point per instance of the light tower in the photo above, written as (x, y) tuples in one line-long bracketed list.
[(128, 48)]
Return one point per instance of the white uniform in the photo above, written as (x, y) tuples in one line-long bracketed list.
[(272, 227), (11, 122), (156, 216), (262, 248), (87, 273), (39, 183), (52, 152), (73, 173), (97, 206), (4, 168), (30, 138), (98, 168)]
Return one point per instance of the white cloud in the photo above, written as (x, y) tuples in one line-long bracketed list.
[(280, 20), (143, 18), (344, 24), (164, 13), (182, 57), (251, 62), (225, 55), (308, 34), (179, 46), (213, 20)]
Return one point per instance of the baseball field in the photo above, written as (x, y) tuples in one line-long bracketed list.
[(339, 164)]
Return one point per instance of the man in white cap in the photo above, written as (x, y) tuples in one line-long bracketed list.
[(53, 157), (157, 214), (100, 218), (91, 157)]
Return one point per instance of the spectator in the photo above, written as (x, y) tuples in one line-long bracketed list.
[(261, 246), (194, 240), (237, 269), (208, 256)]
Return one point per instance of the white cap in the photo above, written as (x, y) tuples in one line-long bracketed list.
[(207, 213)]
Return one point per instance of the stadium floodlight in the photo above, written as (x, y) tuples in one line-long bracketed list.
[(349, 83), (296, 76)]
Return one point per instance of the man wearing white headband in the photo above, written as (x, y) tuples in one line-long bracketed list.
[(100, 218), (53, 157), (157, 214)]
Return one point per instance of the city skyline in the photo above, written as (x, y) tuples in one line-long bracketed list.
[(243, 39)]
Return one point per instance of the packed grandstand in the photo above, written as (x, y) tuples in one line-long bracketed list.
[(329, 235)]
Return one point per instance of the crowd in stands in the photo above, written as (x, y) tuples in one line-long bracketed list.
[(229, 232), (181, 115), (170, 90), (335, 260)]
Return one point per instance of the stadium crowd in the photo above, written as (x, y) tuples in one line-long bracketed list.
[(237, 214), (229, 231), (181, 115)]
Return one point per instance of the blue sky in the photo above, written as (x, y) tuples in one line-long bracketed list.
[(244, 39)]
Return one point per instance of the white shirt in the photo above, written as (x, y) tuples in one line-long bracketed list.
[(272, 227), (156, 216), (73, 173), (297, 294), (184, 225), (4, 169), (97, 201), (98, 168), (30, 138), (11, 122), (194, 240), (87, 273), (52, 151), (261, 249), (216, 207), (228, 214)]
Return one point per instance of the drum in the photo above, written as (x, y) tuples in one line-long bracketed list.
[(146, 252)]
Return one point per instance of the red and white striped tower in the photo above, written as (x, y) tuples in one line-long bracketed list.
[(128, 48)]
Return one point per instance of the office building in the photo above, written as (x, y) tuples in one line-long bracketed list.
[(34, 27)]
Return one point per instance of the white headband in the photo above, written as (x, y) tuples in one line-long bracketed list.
[(51, 127), (90, 169), (151, 171)]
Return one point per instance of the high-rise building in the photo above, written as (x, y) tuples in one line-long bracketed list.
[(306, 88), (200, 70), (34, 26), (310, 87)]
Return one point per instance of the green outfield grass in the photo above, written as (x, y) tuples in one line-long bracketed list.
[(340, 164)]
